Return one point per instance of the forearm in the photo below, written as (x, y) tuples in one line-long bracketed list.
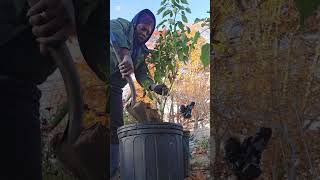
[(143, 77), (146, 81)]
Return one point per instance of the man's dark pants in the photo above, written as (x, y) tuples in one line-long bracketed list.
[(19, 107), (19, 113), (116, 120), (116, 112)]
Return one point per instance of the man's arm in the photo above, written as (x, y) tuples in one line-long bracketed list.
[(122, 46), (91, 30), (118, 32), (144, 79)]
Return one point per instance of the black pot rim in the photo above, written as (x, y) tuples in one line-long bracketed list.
[(148, 127)]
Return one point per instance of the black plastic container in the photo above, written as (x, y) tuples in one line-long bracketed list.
[(151, 151), (186, 153)]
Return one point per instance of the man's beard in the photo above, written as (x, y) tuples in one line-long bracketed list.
[(137, 41)]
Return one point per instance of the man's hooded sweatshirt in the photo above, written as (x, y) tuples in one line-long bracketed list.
[(122, 35)]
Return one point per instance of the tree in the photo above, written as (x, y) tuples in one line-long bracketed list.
[(173, 45)]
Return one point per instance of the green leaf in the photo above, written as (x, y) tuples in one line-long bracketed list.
[(186, 49), (171, 21), (184, 18), (205, 54), (306, 8), (163, 2), (175, 34), (184, 1), (180, 25), (170, 67), (175, 9), (180, 54), (161, 9), (166, 13), (195, 38), (156, 77), (183, 38), (188, 29), (177, 5), (197, 20), (185, 58), (178, 43), (161, 23), (188, 10)]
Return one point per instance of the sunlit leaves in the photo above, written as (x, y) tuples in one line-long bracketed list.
[(184, 1), (180, 25), (168, 11), (205, 54), (160, 10), (188, 10), (175, 44), (195, 38), (184, 18), (161, 23), (188, 29)]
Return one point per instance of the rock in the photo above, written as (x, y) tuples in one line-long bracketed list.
[(200, 161)]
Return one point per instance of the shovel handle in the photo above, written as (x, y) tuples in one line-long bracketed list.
[(133, 90), (128, 79), (63, 59)]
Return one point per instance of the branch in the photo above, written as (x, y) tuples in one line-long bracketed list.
[(307, 126), (208, 28), (300, 120), (292, 172), (61, 113)]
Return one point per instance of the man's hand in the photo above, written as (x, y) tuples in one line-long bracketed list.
[(126, 66), (161, 89), (52, 21)]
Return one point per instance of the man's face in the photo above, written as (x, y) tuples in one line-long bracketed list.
[(143, 31)]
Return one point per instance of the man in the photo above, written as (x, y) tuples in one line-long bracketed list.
[(23, 67), (130, 39)]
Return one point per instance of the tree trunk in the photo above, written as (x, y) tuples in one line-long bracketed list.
[(177, 114), (171, 119)]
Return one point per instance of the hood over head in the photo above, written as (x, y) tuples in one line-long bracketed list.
[(146, 17)]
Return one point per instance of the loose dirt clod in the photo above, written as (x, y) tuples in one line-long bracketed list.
[(143, 112)]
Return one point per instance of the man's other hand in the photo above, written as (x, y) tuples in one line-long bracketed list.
[(161, 89)]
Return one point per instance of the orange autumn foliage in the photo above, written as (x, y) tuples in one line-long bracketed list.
[(94, 92)]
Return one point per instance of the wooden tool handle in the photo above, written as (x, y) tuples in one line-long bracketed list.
[(63, 59)]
